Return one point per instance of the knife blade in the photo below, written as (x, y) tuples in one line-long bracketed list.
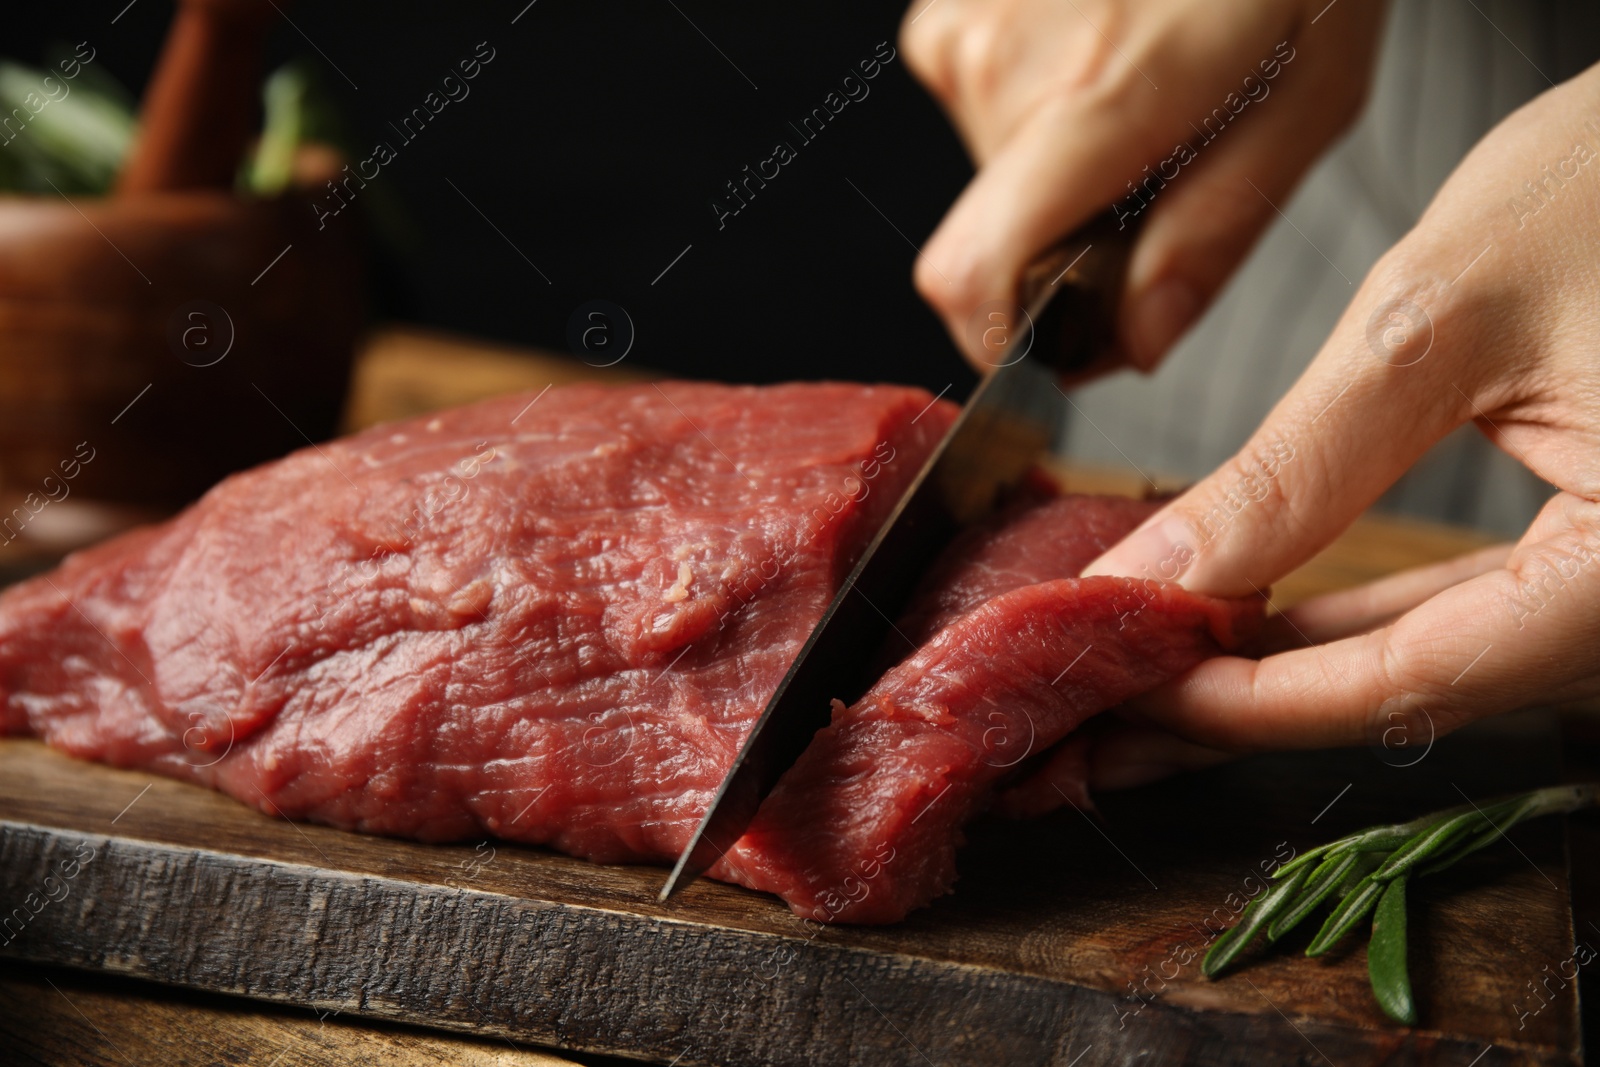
[(1063, 325)]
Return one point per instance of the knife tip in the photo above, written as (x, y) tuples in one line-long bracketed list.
[(679, 878)]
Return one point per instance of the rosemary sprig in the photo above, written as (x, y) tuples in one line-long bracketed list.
[(1367, 873)]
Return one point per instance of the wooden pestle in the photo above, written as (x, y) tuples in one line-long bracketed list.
[(199, 110)]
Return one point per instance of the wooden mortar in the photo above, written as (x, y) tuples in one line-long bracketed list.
[(177, 331)]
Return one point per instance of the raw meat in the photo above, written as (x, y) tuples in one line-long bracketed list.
[(1013, 654), (1034, 541), (553, 619), (550, 618)]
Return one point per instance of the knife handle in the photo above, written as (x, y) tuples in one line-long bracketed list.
[(1073, 292)]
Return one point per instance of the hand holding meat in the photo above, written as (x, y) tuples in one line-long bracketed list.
[(1061, 105), (1486, 312)]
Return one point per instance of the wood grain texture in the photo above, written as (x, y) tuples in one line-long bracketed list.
[(50, 1016), (1580, 752), (85, 332), (1037, 959)]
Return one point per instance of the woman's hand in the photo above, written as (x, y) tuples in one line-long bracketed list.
[(1064, 106), (1488, 311)]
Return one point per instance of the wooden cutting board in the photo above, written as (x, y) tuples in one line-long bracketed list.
[(1068, 941)]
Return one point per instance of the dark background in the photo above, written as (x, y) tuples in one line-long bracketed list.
[(596, 141)]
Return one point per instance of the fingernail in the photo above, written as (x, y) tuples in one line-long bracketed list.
[(1161, 317), (1163, 551)]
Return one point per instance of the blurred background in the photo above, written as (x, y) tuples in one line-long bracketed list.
[(588, 158)]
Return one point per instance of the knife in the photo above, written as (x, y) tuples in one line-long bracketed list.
[(1061, 328)]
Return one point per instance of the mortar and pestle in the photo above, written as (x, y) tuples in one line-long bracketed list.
[(157, 339)]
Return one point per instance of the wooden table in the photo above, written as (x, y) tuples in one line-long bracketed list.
[(984, 976)]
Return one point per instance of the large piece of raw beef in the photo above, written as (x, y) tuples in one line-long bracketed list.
[(554, 618)]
